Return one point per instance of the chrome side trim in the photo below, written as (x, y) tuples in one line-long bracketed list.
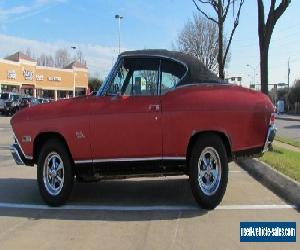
[(83, 161), (28, 157), (173, 158), (129, 159)]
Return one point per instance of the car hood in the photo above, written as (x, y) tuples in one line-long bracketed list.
[(61, 108)]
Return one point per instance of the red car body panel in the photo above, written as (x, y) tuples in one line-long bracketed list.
[(96, 127), (240, 114), (126, 127)]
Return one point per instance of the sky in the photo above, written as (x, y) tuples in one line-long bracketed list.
[(46, 25)]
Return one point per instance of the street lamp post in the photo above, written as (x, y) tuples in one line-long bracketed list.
[(119, 21), (74, 85), (254, 73)]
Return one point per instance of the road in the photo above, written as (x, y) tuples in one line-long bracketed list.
[(144, 213), (288, 129)]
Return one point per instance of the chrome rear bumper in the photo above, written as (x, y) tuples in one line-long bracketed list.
[(270, 137)]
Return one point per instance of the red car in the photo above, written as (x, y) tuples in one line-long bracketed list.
[(158, 113)]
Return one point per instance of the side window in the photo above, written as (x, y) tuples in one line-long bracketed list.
[(143, 79), (136, 77), (142, 83), (172, 72)]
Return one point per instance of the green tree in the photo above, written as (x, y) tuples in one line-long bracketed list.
[(94, 83), (294, 93)]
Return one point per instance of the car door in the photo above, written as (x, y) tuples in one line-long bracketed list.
[(174, 120), (127, 119)]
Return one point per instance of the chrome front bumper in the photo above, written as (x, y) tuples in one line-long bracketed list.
[(16, 153), (270, 137)]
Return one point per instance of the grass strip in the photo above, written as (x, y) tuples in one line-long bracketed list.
[(288, 141), (285, 161)]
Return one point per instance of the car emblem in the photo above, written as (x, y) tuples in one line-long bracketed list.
[(79, 135), (26, 138)]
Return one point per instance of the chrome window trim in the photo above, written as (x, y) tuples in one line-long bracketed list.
[(162, 57), (112, 73)]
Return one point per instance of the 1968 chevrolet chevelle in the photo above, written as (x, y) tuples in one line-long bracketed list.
[(158, 113)]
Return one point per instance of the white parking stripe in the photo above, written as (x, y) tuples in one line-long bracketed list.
[(142, 208), (255, 207)]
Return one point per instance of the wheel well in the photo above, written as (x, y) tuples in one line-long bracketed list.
[(223, 137), (42, 138)]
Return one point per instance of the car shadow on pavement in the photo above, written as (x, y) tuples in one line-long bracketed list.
[(117, 193)]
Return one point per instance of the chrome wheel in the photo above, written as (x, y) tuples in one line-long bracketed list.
[(53, 173), (209, 171)]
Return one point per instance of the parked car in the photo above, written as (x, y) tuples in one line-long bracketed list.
[(9, 103), (12, 105), (28, 102), (158, 113), (42, 100)]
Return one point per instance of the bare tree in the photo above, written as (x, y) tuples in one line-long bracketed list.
[(49, 61), (62, 58), (265, 30), (29, 53), (80, 57), (45, 60), (199, 38), (221, 9), (41, 60)]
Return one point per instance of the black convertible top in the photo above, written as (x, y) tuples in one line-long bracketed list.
[(196, 71)]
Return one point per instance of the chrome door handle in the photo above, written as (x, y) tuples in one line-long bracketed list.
[(154, 107)]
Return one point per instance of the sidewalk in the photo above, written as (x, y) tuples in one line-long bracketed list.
[(286, 146), (288, 117)]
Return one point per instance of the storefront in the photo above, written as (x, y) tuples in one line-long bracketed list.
[(19, 73), (9, 88)]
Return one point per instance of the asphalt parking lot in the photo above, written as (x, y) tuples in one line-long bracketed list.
[(145, 213), (289, 129)]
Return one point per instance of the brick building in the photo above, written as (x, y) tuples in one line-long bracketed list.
[(20, 73)]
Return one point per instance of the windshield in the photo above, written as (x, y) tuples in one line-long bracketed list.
[(4, 96), (104, 86), (15, 97)]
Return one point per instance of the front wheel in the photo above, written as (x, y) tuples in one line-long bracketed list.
[(55, 173), (208, 171)]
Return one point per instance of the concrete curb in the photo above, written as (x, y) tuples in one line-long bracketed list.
[(288, 119), (282, 185)]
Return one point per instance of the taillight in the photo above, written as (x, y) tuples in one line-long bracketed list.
[(272, 119)]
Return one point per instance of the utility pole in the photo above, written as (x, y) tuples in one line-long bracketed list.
[(289, 72), (74, 81), (119, 21), (254, 73)]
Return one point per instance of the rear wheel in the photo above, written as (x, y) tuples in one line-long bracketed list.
[(208, 170), (55, 173)]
